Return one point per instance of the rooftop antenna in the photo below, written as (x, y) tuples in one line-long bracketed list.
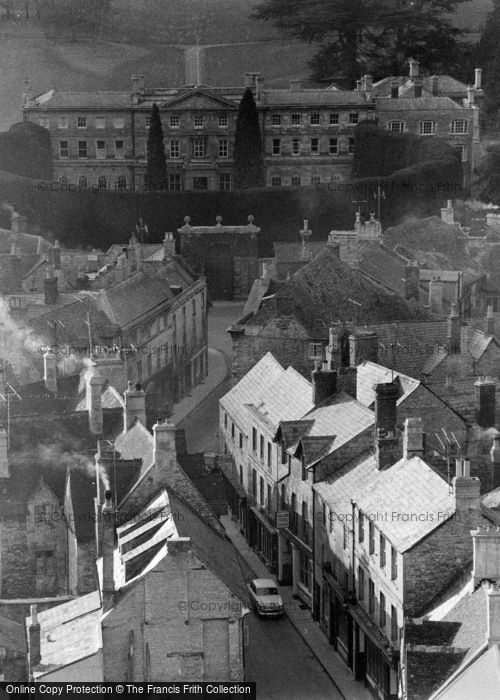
[(197, 57), (378, 195)]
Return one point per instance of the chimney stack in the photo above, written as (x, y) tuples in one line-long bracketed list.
[(413, 438), (490, 321), (436, 297), (50, 286), (56, 255), (493, 632), (164, 452), (486, 547), (447, 213), (168, 246), (34, 653), (478, 72), (470, 95), (179, 545), (453, 333), (94, 401), (485, 401), (495, 460), (108, 547), (367, 82), (4, 455), (137, 87), (413, 68), (50, 372), (332, 351), (435, 84), (324, 383), (135, 406), (386, 441), (363, 346), (466, 488), (18, 223), (412, 281)]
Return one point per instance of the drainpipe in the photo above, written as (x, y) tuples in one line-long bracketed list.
[(315, 615)]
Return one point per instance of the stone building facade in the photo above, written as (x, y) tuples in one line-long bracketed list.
[(226, 255), (99, 140)]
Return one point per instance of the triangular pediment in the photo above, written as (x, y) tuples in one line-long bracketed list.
[(199, 98)]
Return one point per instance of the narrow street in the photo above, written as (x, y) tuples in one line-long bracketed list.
[(201, 425), (282, 664)]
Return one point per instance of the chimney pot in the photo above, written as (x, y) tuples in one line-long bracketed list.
[(478, 72), (493, 630), (467, 492), (414, 68), (413, 438), (4, 456), (486, 548), (412, 281), (135, 406), (485, 401), (50, 372), (436, 297)]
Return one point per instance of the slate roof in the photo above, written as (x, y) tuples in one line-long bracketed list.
[(382, 264), (57, 99), (130, 299), (27, 243), (409, 487), (416, 104), (369, 374), (249, 388), (315, 97), (321, 292), (484, 673), (434, 244), (70, 631), (333, 425), (213, 548), (292, 252), (287, 398), (183, 486), (136, 443), (12, 635)]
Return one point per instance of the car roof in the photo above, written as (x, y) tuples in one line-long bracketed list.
[(264, 583)]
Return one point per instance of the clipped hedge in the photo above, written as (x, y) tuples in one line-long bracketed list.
[(99, 219)]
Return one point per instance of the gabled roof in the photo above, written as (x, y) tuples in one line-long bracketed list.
[(483, 673), (70, 632), (248, 390), (186, 99), (287, 398), (369, 374), (127, 301), (408, 487), (333, 425), (326, 290)]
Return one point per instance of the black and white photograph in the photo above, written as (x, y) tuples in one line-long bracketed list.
[(250, 349)]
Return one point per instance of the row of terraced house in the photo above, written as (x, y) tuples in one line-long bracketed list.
[(342, 487)]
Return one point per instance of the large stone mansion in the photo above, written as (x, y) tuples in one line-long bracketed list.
[(99, 139)]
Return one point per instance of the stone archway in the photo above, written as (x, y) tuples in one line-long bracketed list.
[(219, 271)]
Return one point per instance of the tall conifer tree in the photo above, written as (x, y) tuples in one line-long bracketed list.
[(248, 158), (156, 174)]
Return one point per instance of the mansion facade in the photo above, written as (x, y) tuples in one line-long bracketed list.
[(99, 140)]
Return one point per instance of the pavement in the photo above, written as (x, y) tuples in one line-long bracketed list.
[(217, 371), (309, 630)]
